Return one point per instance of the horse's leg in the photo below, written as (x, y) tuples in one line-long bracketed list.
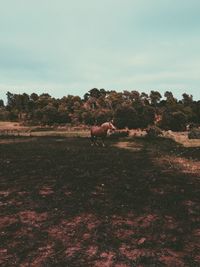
[(92, 140), (96, 141), (102, 141)]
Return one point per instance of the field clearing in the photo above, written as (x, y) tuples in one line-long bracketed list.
[(9, 125), (182, 138), (15, 129), (65, 203)]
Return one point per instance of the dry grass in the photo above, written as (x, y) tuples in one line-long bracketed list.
[(15, 129), (7, 125), (182, 138)]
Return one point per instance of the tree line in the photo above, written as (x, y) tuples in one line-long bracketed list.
[(130, 109)]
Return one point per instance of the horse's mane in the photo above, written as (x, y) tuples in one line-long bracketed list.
[(105, 124)]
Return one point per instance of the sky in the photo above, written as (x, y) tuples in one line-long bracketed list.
[(70, 46)]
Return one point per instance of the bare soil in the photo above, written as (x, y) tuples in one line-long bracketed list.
[(65, 203)]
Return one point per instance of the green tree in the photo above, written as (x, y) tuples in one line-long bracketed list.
[(175, 121), (88, 117), (147, 117), (49, 115), (126, 116), (103, 115), (114, 100), (155, 97), (170, 98), (1, 103), (34, 97), (187, 99)]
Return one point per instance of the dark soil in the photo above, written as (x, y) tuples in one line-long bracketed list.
[(65, 203)]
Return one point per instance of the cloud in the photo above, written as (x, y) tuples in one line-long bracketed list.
[(71, 46)]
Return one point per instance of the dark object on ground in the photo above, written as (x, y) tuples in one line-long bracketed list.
[(153, 131), (194, 134), (120, 133)]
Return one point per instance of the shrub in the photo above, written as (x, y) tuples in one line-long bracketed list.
[(153, 131), (194, 134), (175, 121), (119, 133), (126, 116)]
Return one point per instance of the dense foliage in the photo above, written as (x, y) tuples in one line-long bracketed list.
[(128, 109)]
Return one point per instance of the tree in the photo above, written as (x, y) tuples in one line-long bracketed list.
[(103, 115), (175, 121), (147, 117), (88, 117), (196, 111), (129, 108), (135, 95), (145, 98), (1, 103), (34, 97), (43, 100), (170, 98), (126, 116), (9, 100), (187, 99), (49, 115), (95, 93), (114, 100), (63, 114), (155, 97)]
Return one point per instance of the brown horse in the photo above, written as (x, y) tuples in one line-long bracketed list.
[(101, 132)]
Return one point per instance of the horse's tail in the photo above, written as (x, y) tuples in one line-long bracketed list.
[(92, 138)]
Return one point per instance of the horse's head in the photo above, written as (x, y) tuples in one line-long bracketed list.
[(111, 127), (108, 126)]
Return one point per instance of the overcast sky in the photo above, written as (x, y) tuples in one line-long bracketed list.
[(68, 47)]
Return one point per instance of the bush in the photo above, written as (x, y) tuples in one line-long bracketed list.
[(175, 121), (4, 115), (194, 134), (119, 133), (153, 131), (126, 116)]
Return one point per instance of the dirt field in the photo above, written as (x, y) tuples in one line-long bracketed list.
[(132, 203), (15, 129)]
